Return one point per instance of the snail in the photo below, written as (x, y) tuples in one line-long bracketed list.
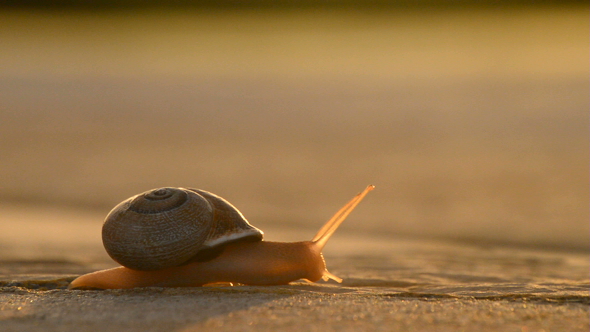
[(177, 237)]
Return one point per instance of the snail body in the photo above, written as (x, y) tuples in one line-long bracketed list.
[(240, 256)]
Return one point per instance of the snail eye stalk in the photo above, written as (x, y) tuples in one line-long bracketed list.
[(332, 224)]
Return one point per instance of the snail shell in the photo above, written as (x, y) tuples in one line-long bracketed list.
[(168, 227)]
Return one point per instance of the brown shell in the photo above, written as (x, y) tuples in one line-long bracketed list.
[(168, 227)]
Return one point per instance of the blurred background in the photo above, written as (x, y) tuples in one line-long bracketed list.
[(471, 118)]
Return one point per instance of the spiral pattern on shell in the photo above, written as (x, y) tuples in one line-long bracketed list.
[(167, 227)]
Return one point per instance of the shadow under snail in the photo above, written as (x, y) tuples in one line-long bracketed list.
[(177, 237)]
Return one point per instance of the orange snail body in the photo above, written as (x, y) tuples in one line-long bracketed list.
[(248, 262)]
